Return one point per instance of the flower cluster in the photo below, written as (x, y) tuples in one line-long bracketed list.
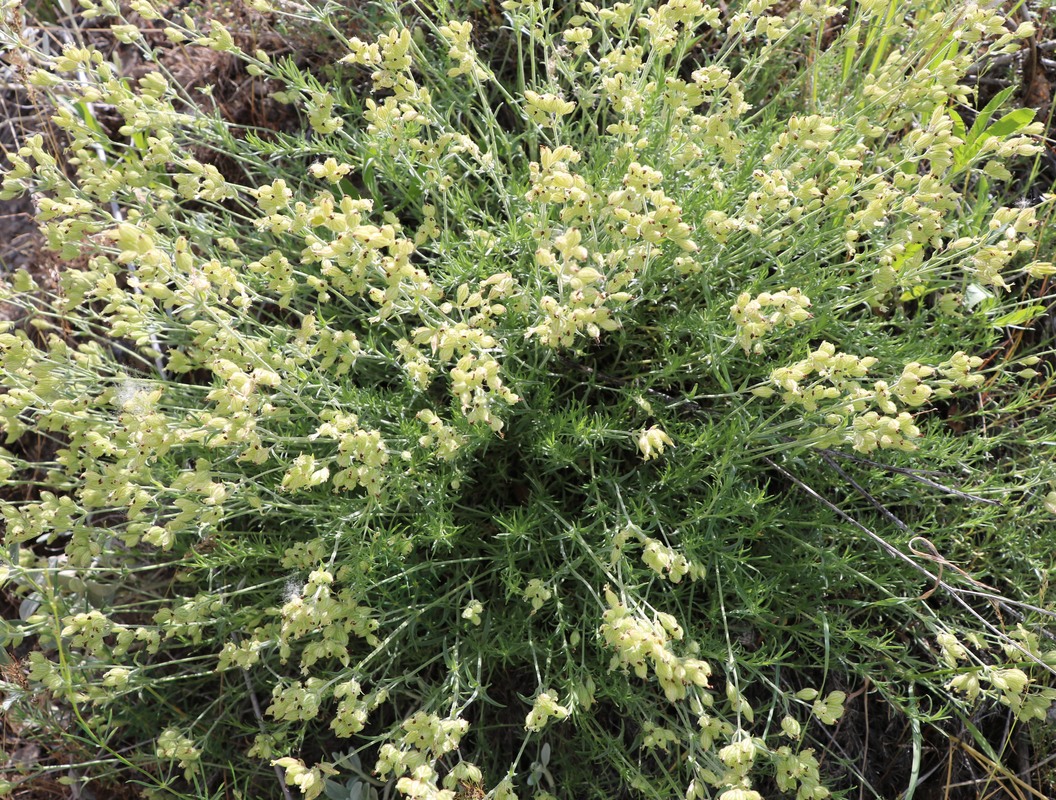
[(426, 738), (757, 316), (667, 561), (545, 708), (644, 646), (834, 384), (651, 442), (173, 746), (1011, 686), (457, 35), (311, 781)]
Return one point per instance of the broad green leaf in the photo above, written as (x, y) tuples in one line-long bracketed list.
[(983, 119), (1012, 122), (958, 125), (917, 292), (946, 52), (1021, 316)]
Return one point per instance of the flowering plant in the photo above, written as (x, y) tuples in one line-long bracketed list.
[(500, 404)]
